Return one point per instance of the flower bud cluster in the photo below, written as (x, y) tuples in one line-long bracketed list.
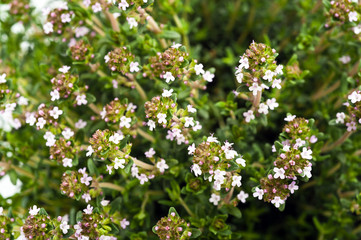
[(174, 64), (63, 151), (120, 60), (292, 162), (4, 89), (5, 226), (123, 114), (353, 115), (58, 20), (218, 163), (37, 225), (81, 51), (76, 185), (163, 111), (258, 70), (20, 8), (342, 11), (65, 86), (172, 227)]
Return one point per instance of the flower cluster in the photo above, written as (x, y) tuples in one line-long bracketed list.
[(258, 70), (124, 5), (58, 20), (293, 161), (123, 114), (63, 151), (4, 89), (121, 60), (353, 115), (5, 225), (172, 227), (81, 51), (343, 11), (65, 85), (20, 8), (76, 185), (218, 163)]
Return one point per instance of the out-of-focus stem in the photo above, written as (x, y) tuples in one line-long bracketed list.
[(96, 28), (184, 35), (142, 164), (110, 186), (146, 135), (94, 108), (229, 196), (256, 100), (181, 201), (341, 140)]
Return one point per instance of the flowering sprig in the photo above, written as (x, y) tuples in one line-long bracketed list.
[(82, 51), (174, 227), (343, 12), (258, 71), (292, 163), (5, 225)]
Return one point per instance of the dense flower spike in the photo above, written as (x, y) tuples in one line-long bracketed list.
[(292, 162), (258, 71), (81, 51), (119, 60), (342, 12)]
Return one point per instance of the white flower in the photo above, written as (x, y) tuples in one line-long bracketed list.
[(150, 153), (208, 76), (243, 63), (67, 133), (352, 16), (90, 151), (277, 201), (354, 97), (124, 223), (50, 141), (81, 99), (64, 227), (123, 5), (67, 162), (248, 115), (161, 118), (176, 45), (104, 202), (48, 135), (292, 187), (109, 169), (306, 154), (196, 170), (119, 163), (65, 17), (86, 197), (116, 138), (64, 69), (168, 77), (242, 196), (167, 93), (191, 149), (307, 172), (189, 121), (272, 104), (41, 122), (239, 77), (215, 199), (34, 211), (263, 108), (236, 181), (125, 122), (2, 78), (255, 88), (88, 210), (23, 101), (345, 59), (132, 22), (106, 58), (351, 126), (197, 127), (48, 28), (278, 70), (268, 75), (134, 67), (30, 119), (290, 118), (97, 7), (151, 125), (142, 178), (299, 143), (241, 161), (279, 173), (212, 139), (162, 165), (85, 179), (54, 95), (258, 193), (1, 211), (357, 29), (191, 109), (80, 124), (276, 83), (199, 69)]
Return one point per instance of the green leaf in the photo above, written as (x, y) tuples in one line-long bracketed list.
[(170, 34), (70, 233), (195, 232), (129, 166), (92, 167)]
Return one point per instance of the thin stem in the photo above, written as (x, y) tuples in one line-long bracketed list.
[(94, 108), (256, 100), (113, 21), (140, 90), (229, 196), (341, 140), (110, 186), (96, 28), (142, 164), (181, 201), (184, 35), (146, 135)]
